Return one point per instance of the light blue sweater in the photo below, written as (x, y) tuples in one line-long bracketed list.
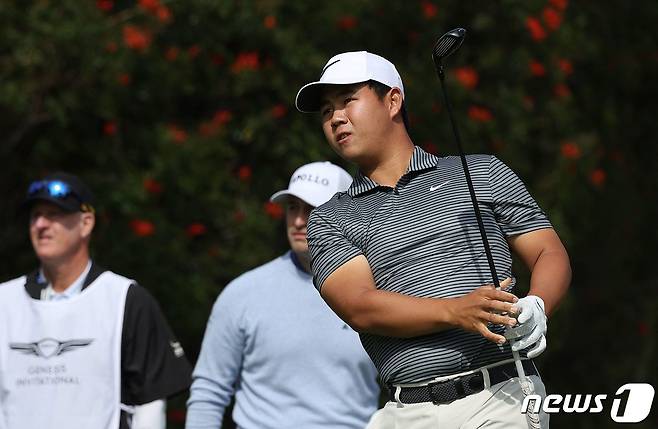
[(290, 361)]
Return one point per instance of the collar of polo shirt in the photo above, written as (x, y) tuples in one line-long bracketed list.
[(420, 160)]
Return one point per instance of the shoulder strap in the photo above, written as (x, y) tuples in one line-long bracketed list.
[(32, 285), (94, 272)]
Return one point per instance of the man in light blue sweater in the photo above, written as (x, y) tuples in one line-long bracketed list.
[(273, 342)]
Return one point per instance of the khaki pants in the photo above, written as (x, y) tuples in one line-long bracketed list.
[(496, 407)]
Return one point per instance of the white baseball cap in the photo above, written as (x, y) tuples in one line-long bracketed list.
[(315, 183), (345, 69)]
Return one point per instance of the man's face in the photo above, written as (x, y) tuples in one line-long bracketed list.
[(354, 120), (56, 234), (297, 212)]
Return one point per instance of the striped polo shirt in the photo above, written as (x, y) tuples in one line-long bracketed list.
[(421, 239)]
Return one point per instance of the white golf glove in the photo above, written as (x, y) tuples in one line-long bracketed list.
[(531, 328)]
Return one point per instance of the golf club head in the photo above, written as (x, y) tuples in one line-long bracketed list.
[(447, 44)]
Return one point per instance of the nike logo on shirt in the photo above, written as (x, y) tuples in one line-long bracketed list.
[(434, 188)]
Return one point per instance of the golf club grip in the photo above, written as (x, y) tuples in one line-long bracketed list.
[(469, 182)]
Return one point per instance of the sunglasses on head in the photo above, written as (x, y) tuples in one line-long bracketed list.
[(54, 188), (57, 189)]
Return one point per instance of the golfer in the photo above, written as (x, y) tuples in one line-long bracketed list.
[(399, 257)]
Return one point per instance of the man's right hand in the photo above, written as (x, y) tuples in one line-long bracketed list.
[(486, 304)]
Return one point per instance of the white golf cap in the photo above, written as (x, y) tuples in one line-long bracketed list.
[(345, 69), (315, 183)]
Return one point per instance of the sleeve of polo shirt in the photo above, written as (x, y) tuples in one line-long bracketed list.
[(328, 245), (515, 210), (152, 360), (218, 368)]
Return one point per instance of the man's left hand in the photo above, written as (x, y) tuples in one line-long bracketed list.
[(531, 328)]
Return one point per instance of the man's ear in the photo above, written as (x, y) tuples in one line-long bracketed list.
[(394, 101), (87, 220)]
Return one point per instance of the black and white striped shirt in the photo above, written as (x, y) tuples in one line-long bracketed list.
[(421, 239)]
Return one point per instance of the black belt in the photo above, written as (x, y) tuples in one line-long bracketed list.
[(442, 392)]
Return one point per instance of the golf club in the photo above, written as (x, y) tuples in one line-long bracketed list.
[(445, 46)]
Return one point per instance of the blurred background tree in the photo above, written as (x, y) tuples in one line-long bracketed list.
[(180, 115)]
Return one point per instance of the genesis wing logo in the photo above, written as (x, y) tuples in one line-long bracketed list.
[(49, 347)]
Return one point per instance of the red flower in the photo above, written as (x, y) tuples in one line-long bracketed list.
[(537, 32), (244, 173), (643, 329), (480, 114), (552, 18), (279, 111), (177, 134), (152, 186), (429, 9), (561, 90), (193, 51), (467, 76), (124, 79), (559, 4), (218, 120), (142, 228), (246, 61), (273, 210), (163, 14), (570, 150), (222, 117), (597, 177), (149, 5), (346, 22), (269, 22), (105, 5), (135, 38), (565, 66), (195, 229), (172, 53), (110, 128), (536, 68), (111, 47)]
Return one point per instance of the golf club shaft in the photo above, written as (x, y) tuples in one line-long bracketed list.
[(471, 190), (526, 383), (533, 420)]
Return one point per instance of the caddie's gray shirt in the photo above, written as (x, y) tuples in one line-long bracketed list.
[(421, 239)]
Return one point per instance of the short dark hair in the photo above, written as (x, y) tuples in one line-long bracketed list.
[(381, 90)]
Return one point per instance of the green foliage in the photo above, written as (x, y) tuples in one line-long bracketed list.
[(181, 117)]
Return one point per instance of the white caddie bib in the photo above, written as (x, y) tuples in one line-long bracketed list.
[(60, 361)]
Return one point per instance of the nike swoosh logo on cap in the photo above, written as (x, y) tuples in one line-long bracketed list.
[(327, 66)]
